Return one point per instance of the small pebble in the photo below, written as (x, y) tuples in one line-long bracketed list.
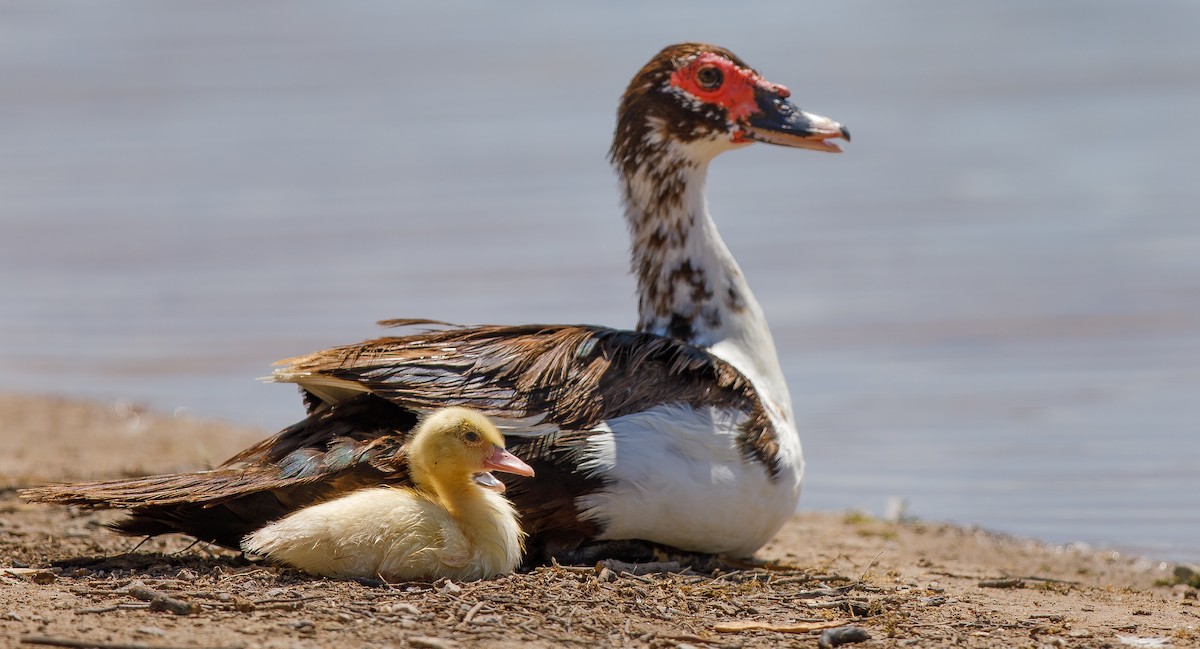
[(150, 630), (842, 635), (371, 582), (397, 608), (43, 577)]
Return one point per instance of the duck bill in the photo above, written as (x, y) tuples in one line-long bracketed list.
[(779, 121), (502, 460)]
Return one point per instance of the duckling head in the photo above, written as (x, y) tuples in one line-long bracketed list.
[(456, 446)]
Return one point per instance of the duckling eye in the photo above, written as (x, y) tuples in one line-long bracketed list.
[(709, 77), (472, 437)]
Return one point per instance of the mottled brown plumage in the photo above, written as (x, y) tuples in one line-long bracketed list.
[(573, 377), (649, 150), (641, 104)]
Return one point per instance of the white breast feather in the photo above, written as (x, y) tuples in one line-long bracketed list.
[(675, 475)]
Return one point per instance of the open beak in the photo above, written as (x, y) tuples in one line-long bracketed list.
[(489, 481), (502, 460), (779, 121)]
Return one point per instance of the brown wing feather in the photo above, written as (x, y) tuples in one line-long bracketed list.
[(574, 376)]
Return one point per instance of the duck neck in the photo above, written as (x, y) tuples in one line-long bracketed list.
[(689, 285), (461, 497)]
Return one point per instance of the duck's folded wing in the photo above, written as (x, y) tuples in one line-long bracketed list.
[(533, 378)]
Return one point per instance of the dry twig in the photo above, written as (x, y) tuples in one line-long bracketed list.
[(796, 627), (93, 644)]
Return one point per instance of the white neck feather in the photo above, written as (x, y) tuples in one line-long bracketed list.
[(690, 286)]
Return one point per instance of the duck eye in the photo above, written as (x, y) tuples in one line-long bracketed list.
[(472, 437), (709, 77)]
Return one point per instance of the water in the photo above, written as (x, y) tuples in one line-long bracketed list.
[(990, 305)]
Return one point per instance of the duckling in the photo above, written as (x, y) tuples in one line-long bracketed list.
[(452, 523)]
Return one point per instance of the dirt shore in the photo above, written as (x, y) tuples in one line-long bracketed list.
[(66, 581)]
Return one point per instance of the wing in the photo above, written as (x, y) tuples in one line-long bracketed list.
[(536, 379)]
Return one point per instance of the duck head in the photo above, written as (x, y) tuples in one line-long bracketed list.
[(457, 445), (705, 99)]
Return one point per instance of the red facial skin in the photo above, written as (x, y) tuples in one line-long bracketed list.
[(735, 93)]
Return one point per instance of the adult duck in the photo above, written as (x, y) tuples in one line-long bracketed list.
[(680, 433)]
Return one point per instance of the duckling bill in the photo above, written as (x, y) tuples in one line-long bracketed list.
[(452, 523)]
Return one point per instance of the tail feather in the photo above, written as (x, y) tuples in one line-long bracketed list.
[(225, 523), (219, 506), (342, 448), (209, 487)]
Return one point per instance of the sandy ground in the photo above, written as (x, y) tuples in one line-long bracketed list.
[(66, 581)]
